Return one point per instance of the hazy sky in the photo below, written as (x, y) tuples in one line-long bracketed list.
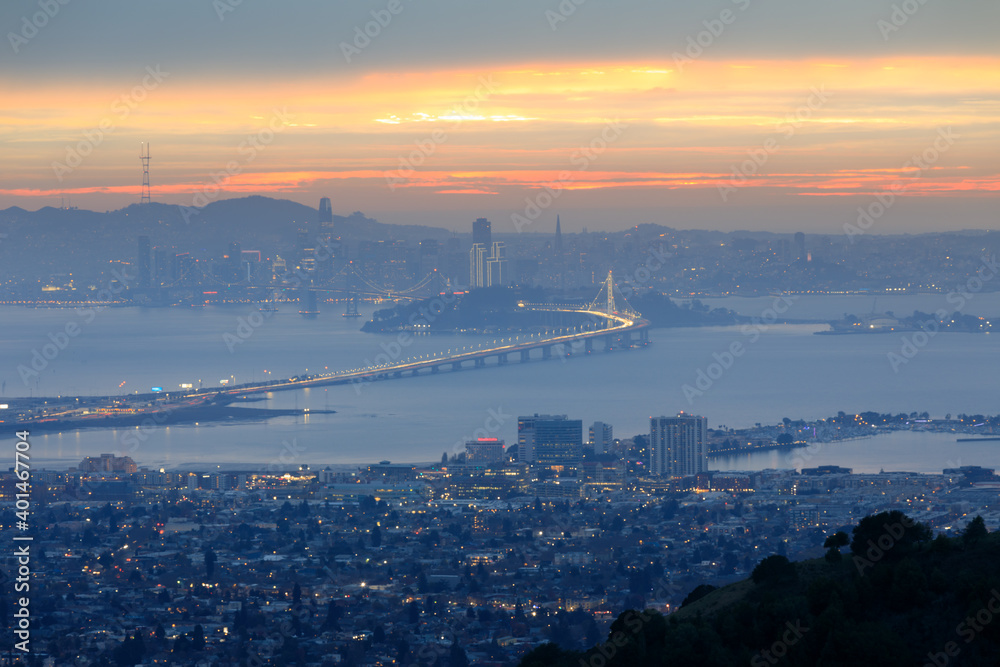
[(747, 114)]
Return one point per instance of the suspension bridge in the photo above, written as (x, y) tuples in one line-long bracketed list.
[(608, 321)]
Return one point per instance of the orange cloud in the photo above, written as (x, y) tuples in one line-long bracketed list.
[(518, 128)]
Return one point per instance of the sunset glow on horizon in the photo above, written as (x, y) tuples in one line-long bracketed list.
[(397, 139)]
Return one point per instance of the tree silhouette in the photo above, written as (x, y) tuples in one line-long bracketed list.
[(332, 616), (209, 562), (698, 593), (773, 570), (889, 534), (198, 638), (833, 544), (457, 657), (975, 531)]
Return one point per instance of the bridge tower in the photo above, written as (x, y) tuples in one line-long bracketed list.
[(609, 285), (608, 303), (352, 292)]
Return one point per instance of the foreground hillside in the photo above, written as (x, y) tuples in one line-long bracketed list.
[(895, 597)]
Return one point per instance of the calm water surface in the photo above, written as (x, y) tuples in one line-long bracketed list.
[(786, 371)]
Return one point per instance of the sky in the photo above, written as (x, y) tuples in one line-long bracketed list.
[(783, 115)]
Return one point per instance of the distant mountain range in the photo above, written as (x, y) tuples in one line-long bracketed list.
[(222, 221), (62, 241)]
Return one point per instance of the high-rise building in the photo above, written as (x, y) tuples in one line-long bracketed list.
[(496, 265), (162, 266), (108, 463), (557, 243), (325, 212), (477, 265), (488, 265), (550, 440), (677, 445), (481, 233), (800, 244), (145, 259), (306, 251), (601, 437), (483, 452)]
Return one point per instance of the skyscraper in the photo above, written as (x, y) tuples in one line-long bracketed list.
[(496, 265), (324, 221), (144, 262), (325, 212), (481, 233), (162, 271), (488, 265), (550, 440), (601, 437), (477, 265), (677, 445), (483, 452), (557, 243)]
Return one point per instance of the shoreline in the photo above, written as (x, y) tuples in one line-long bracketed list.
[(179, 417)]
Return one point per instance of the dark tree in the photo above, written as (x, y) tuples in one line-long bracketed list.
[(975, 531), (773, 570), (892, 535), (402, 652), (838, 539), (457, 657), (833, 544), (209, 562), (332, 617), (697, 594), (413, 612), (198, 638)]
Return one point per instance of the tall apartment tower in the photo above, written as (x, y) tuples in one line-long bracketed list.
[(601, 437), (145, 257), (550, 440), (477, 265), (325, 218), (557, 243), (325, 211), (496, 265), (483, 452), (481, 233), (677, 445), (488, 265)]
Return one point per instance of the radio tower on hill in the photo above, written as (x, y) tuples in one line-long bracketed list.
[(144, 158)]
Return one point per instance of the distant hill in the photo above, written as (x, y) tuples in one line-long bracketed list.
[(895, 598), (229, 219), (75, 240)]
